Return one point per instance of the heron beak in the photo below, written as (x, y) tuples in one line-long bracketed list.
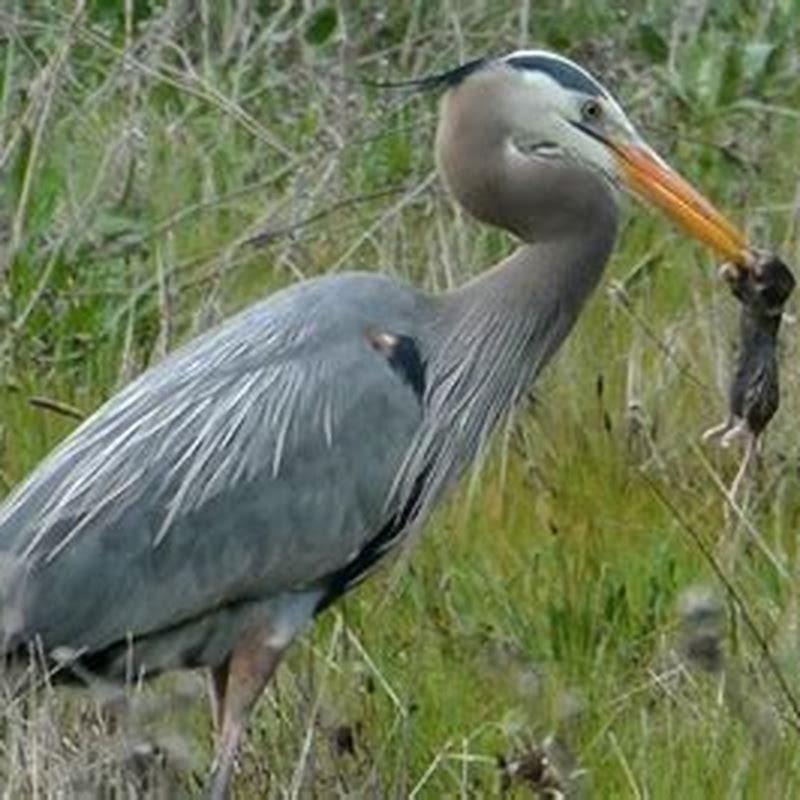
[(648, 177)]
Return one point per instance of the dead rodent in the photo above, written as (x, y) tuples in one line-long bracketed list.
[(754, 392)]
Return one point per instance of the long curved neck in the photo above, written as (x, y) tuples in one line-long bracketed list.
[(565, 214), (492, 336)]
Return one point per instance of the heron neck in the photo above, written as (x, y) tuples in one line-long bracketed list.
[(493, 335), (565, 214), (512, 318), (490, 338), (488, 342)]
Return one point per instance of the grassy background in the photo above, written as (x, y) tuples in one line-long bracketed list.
[(549, 609)]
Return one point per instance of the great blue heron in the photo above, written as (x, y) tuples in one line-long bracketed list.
[(206, 513)]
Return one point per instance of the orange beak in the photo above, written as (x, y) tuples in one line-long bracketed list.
[(647, 176)]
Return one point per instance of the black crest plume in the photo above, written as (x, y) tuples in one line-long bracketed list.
[(441, 80)]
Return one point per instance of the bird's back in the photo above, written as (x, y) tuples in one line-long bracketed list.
[(255, 461)]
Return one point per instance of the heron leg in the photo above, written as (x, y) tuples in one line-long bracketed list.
[(217, 684), (248, 669)]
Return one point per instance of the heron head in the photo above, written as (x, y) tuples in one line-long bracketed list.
[(553, 108)]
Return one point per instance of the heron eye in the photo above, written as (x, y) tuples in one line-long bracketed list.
[(591, 111)]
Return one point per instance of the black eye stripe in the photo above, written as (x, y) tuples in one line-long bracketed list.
[(562, 72)]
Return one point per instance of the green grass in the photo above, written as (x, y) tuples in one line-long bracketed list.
[(141, 148)]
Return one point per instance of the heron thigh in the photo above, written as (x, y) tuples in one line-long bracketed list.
[(250, 666), (246, 672), (217, 683), (206, 640)]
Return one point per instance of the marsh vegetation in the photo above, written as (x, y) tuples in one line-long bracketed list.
[(587, 613)]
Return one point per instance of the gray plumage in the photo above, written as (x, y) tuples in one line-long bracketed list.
[(238, 469), (260, 460), (208, 511)]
